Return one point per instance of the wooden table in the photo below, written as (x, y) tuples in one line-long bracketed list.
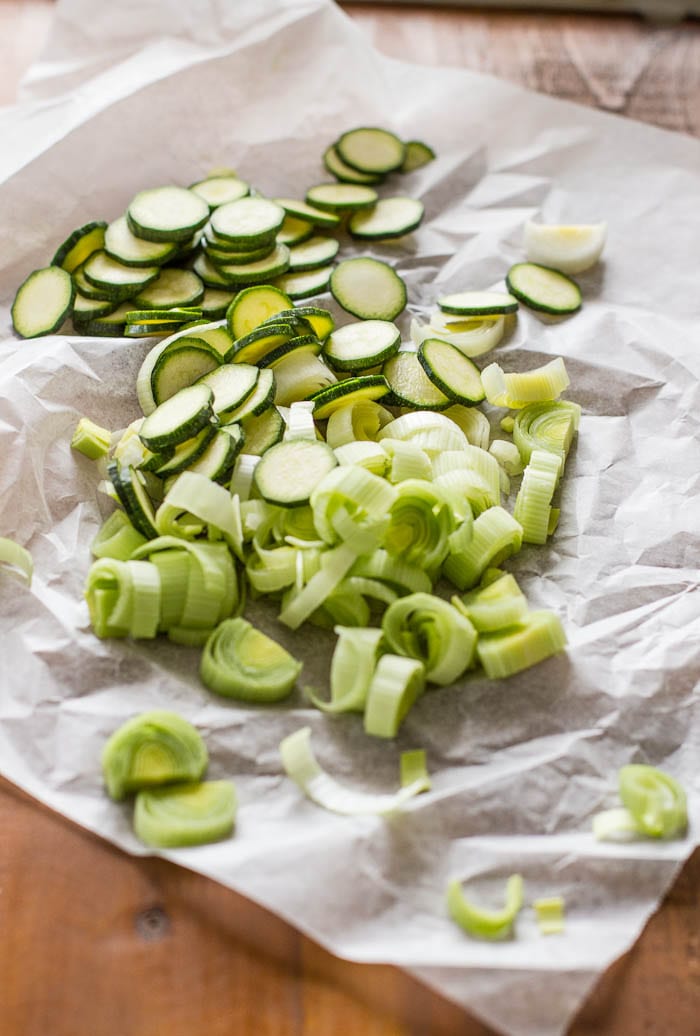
[(95, 943)]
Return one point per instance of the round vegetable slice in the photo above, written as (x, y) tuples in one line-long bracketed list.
[(345, 173), (43, 301), (248, 221), (370, 149), (317, 251), (185, 814), (167, 214), (544, 289), (123, 246), (418, 154), (289, 472), (80, 246), (252, 307), (239, 661), (569, 249), (368, 288), (341, 197), (171, 288), (363, 344), (479, 303), (366, 387), (304, 285), (390, 217), (219, 190), (157, 747)]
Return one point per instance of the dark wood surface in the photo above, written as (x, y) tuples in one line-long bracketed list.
[(95, 943)]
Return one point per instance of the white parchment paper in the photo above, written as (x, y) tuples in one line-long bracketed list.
[(134, 94)]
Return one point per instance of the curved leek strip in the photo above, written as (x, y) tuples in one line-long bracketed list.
[(405, 578), (511, 650), (356, 422), (352, 667), (91, 439), (155, 748), (185, 814), (516, 389), (656, 801), (486, 924), (533, 504), (495, 536), (433, 432), (483, 487), (123, 598), (465, 494), (298, 527), (615, 825), (427, 628), (301, 765), (420, 523), (17, 559), (116, 538), (508, 456), (343, 606), (196, 495), (550, 915), (269, 571), (348, 499), (189, 637), (128, 449), (370, 588), (364, 454), (472, 422), (496, 606), (240, 662), (507, 423), (300, 422), (396, 684), (472, 336), (241, 483), (546, 426), (406, 460)]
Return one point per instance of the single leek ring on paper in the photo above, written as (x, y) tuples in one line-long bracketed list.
[(301, 765), (656, 801), (185, 814), (396, 684), (420, 524), (495, 605), (516, 389), (546, 426), (91, 439), (536, 637), (550, 915), (481, 923), (240, 662), (158, 747), (16, 560), (429, 629), (352, 668)]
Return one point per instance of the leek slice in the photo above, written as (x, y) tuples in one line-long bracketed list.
[(301, 765), (511, 650), (429, 629), (185, 814), (516, 389), (615, 825), (396, 684), (241, 662), (508, 456), (116, 538), (347, 499), (546, 426), (433, 432), (656, 801), (472, 422), (533, 503), (123, 598), (494, 606), (406, 461), (495, 535), (405, 578), (352, 667), (16, 559), (473, 336), (420, 523), (550, 914), (195, 496), (364, 454), (300, 422), (155, 748), (355, 422), (481, 923), (91, 439)]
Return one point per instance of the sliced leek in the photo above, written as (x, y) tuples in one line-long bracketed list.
[(655, 799), (494, 606), (480, 922), (396, 684), (239, 661), (352, 668), (185, 814), (495, 536), (511, 650), (550, 915), (91, 439), (155, 748), (16, 559), (517, 389), (420, 523), (429, 629), (546, 426)]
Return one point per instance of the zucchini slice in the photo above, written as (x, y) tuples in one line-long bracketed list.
[(88, 309), (231, 257), (219, 190), (217, 459), (166, 214), (294, 230), (321, 320), (133, 498), (215, 303), (317, 251), (288, 472), (544, 289), (261, 431), (91, 292), (112, 325), (368, 288), (310, 343), (251, 348), (124, 247), (479, 303), (417, 154), (391, 217), (370, 149), (43, 301), (411, 386), (252, 307), (358, 346), (250, 222), (178, 459), (231, 384), (276, 263), (178, 418), (180, 364), (345, 173), (352, 390), (304, 285), (259, 401), (173, 287), (451, 371), (208, 273), (80, 245), (309, 213), (341, 197), (112, 277)]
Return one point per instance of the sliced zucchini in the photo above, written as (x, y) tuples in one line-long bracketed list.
[(178, 314), (253, 306), (479, 303), (259, 401), (391, 217), (321, 320), (219, 190), (310, 343), (370, 149), (288, 472), (249, 221), (294, 230), (262, 431), (167, 214), (133, 498), (87, 309), (368, 288), (305, 285), (178, 418), (231, 384), (451, 371), (110, 276), (341, 197), (259, 272), (345, 173), (151, 328), (80, 245), (112, 325), (251, 348), (124, 247), (317, 251), (214, 303), (213, 335), (181, 457), (217, 459), (43, 302), (358, 346), (411, 386), (417, 154), (208, 273), (544, 289), (91, 292), (309, 213), (181, 364), (351, 390), (173, 287), (231, 257), (299, 324)]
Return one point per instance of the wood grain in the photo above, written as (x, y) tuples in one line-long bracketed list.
[(95, 943)]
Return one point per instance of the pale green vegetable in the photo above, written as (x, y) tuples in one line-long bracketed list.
[(498, 604), (185, 814), (116, 538), (352, 668), (508, 651), (550, 914), (16, 559), (420, 523), (494, 536), (516, 389), (396, 684), (656, 801), (429, 629), (479, 922), (241, 662), (155, 748), (533, 503), (545, 426), (91, 439)]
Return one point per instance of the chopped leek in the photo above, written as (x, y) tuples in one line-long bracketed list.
[(91, 439), (550, 915), (420, 522), (240, 662), (508, 651), (545, 426), (154, 748), (495, 605), (479, 922), (656, 801), (16, 559), (116, 538), (495, 536), (429, 629), (516, 389), (352, 667), (185, 814), (533, 503), (301, 765), (396, 684)]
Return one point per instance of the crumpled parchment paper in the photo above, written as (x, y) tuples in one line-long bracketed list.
[(138, 94)]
